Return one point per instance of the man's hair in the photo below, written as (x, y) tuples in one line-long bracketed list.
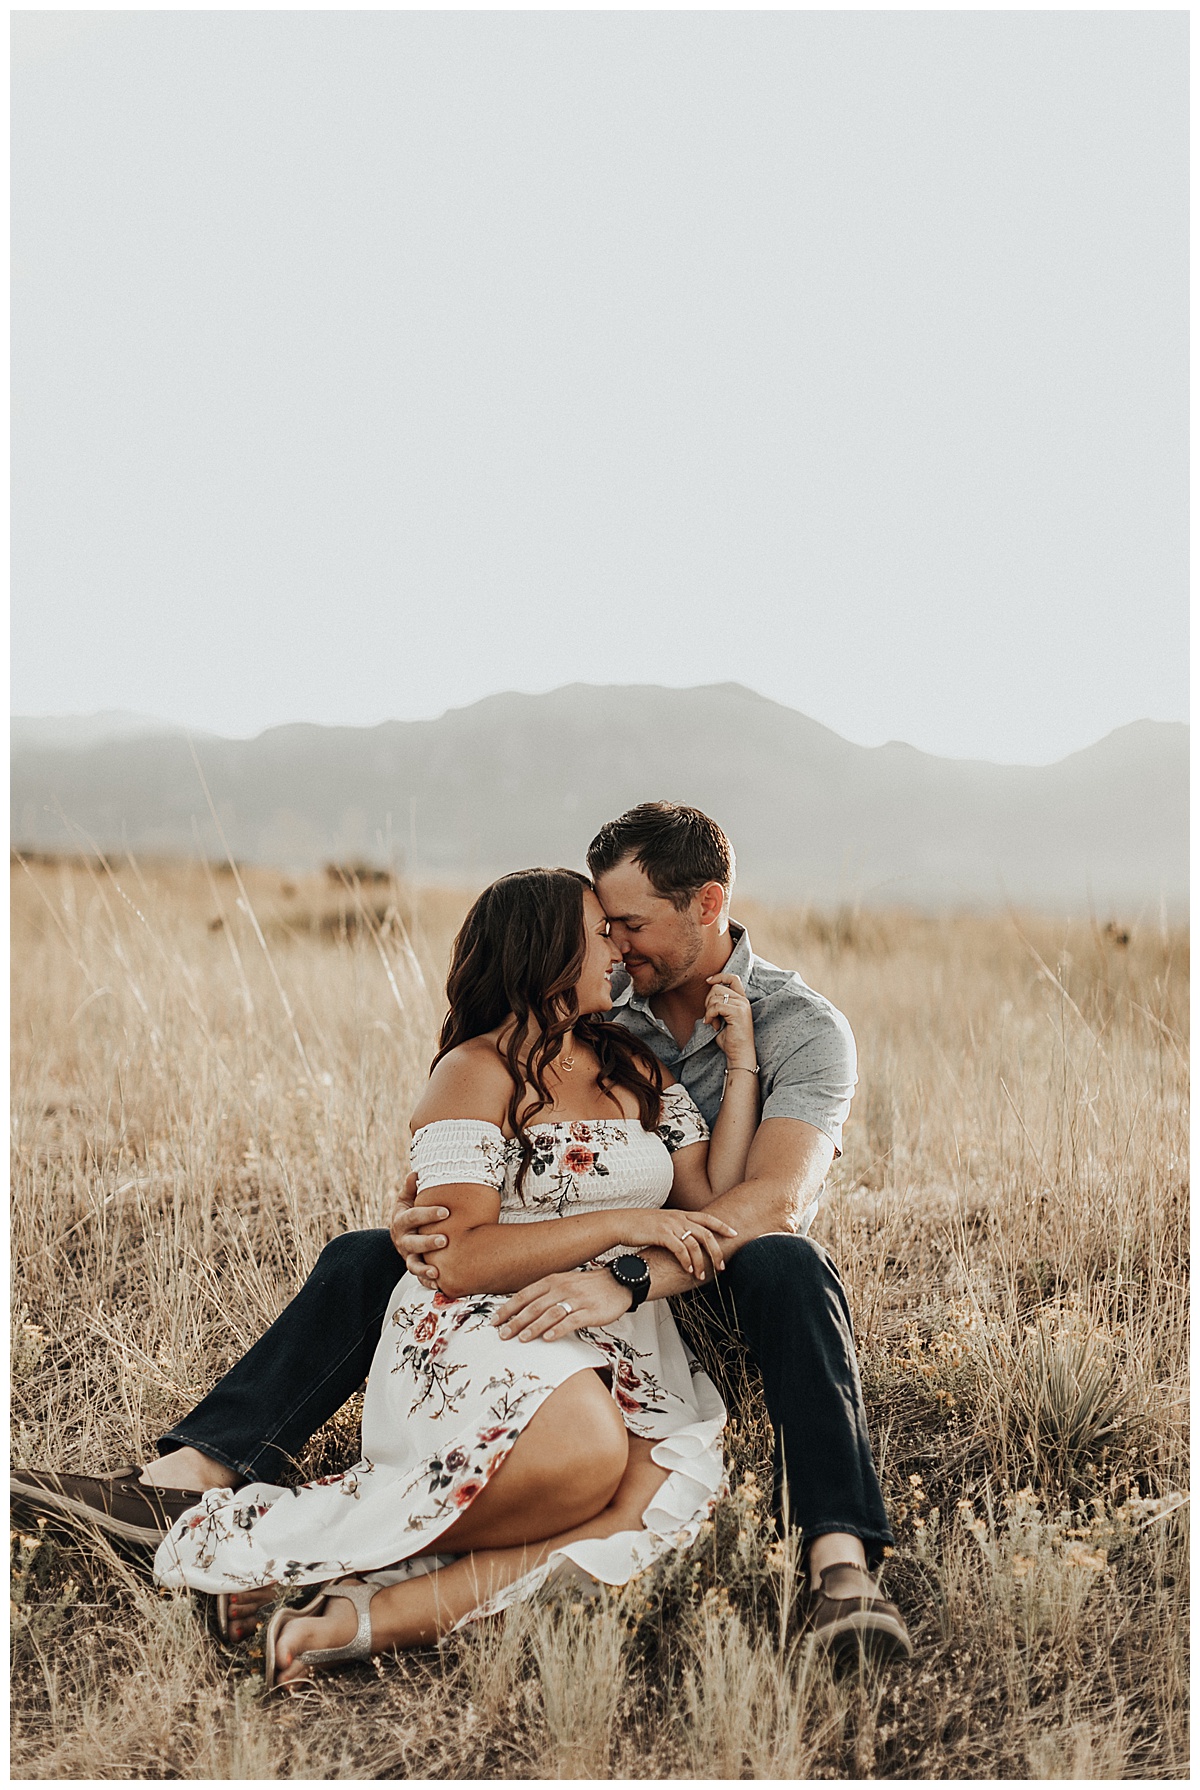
[(679, 848)]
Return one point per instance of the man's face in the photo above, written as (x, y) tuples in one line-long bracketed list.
[(659, 943)]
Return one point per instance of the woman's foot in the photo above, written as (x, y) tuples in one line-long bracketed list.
[(336, 1626), (240, 1612)]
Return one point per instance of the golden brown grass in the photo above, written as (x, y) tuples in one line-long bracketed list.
[(212, 1076)]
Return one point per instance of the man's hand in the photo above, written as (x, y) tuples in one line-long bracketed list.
[(537, 1310), (405, 1227)]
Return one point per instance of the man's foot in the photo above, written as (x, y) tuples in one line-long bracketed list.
[(850, 1621), (187, 1470), (119, 1504)]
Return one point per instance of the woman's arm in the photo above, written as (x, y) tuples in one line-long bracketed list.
[(704, 1171), (484, 1256)]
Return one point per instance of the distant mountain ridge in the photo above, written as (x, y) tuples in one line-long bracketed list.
[(518, 779)]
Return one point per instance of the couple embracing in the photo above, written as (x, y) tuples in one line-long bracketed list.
[(626, 1104)]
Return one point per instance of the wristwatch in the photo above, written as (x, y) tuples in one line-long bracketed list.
[(631, 1271)]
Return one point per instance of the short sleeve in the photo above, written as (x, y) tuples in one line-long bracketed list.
[(816, 1081), (680, 1122), (451, 1150)]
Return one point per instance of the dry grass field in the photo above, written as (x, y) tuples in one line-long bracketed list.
[(209, 1080)]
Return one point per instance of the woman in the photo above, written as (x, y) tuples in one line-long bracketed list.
[(492, 1460)]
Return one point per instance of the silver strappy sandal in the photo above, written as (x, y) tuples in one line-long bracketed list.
[(359, 1595)]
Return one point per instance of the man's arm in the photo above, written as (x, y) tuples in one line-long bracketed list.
[(785, 1171), (788, 1162)]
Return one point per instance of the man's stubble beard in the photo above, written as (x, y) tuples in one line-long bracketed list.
[(659, 980), (671, 975)]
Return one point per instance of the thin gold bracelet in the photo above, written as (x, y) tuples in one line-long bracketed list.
[(732, 1069)]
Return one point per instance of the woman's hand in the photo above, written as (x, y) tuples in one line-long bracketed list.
[(693, 1238), (540, 1309), (727, 1011)]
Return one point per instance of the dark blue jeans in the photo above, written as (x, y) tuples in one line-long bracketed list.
[(781, 1293)]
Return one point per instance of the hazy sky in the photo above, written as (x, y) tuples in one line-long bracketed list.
[(365, 364)]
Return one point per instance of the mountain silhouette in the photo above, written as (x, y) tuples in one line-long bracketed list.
[(517, 780)]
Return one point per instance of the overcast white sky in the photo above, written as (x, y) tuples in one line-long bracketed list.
[(365, 364)]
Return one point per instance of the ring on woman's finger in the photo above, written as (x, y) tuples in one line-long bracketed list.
[(567, 1308), (685, 1235)]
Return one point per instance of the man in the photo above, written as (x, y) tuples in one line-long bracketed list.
[(664, 874)]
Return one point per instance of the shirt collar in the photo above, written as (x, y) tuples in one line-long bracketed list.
[(741, 958)]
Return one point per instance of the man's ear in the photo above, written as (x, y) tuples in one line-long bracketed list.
[(712, 903)]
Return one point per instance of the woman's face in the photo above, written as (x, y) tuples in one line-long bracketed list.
[(593, 991)]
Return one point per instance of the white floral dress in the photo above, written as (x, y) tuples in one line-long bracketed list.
[(447, 1396)]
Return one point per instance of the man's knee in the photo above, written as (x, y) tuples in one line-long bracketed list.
[(781, 1266), (366, 1263), (784, 1287)]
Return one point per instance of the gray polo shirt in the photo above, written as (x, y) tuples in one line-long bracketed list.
[(806, 1056)]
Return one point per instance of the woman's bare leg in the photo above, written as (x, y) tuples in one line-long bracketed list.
[(564, 1467), (420, 1610)]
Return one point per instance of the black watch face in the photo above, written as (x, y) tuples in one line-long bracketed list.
[(630, 1270)]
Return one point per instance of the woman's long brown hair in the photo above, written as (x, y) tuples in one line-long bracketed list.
[(520, 950)]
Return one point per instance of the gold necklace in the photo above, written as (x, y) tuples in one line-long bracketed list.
[(568, 1060)]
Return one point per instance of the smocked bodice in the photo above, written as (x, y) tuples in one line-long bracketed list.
[(578, 1165)]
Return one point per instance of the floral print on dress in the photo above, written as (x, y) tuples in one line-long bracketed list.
[(457, 1476), (349, 1483), (206, 1530), (568, 1161), (424, 1357), (638, 1392)]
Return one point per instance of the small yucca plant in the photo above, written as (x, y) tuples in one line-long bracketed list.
[(1067, 1400)]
